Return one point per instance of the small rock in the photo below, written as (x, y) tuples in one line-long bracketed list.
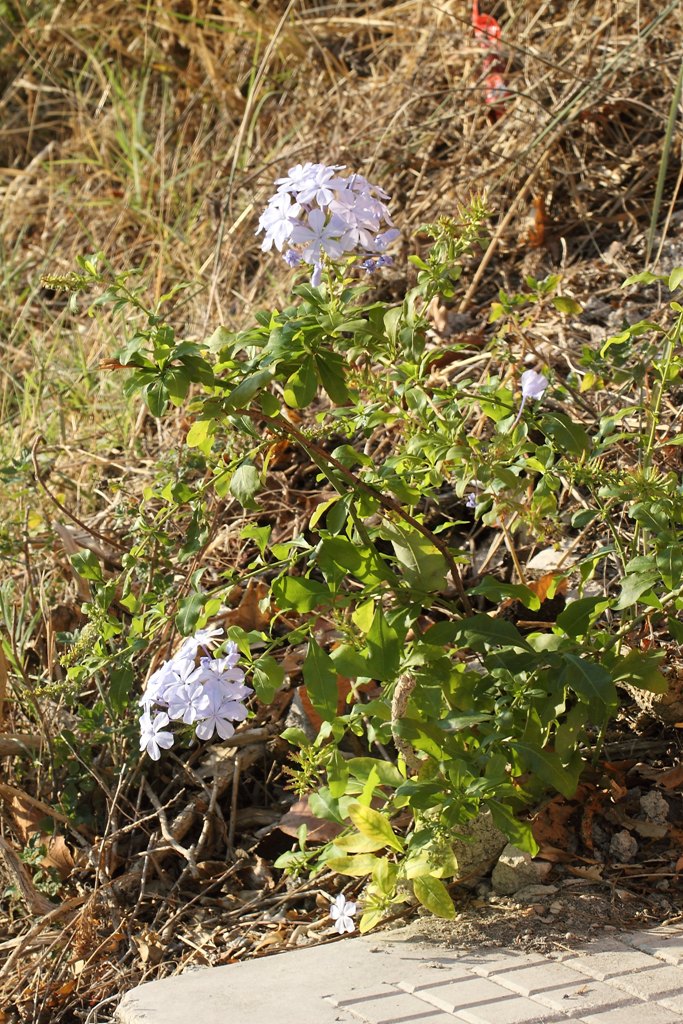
[(515, 870), (531, 893), (479, 851), (548, 559), (556, 907), (623, 847), (654, 807)]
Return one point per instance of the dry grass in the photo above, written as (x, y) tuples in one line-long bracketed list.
[(152, 133)]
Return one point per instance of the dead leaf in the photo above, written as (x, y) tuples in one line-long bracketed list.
[(27, 812), (278, 454), (679, 865), (536, 231), (672, 779), (36, 902), (593, 873), (646, 829), (319, 830), (549, 825), (542, 587), (248, 614)]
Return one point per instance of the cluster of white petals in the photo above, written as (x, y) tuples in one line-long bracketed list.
[(316, 211), (195, 688), (342, 913)]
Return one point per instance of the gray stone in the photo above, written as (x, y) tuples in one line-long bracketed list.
[(532, 893), (479, 851), (654, 807), (515, 870), (623, 847)]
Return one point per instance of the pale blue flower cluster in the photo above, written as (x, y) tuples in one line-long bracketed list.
[(194, 688), (316, 212)]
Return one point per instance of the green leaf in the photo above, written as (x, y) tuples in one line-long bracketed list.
[(300, 594), (640, 669), (320, 677), (189, 610), (568, 435), (374, 825), (244, 484), (590, 682), (644, 277), (634, 586), (337, 774), (422, 564), (358, 843), (320, 510), (331, 366), (348, 661), (221, 338), (370, 919), (384, 876), (670, 564), (297, 737), (576, 618), (268, 677), (384, 650), (156, 396), (387, 773), (86, 565), (675, 278), (548, 767), (493, 590), (301, 387), (324, 805), (481, 631), (433, 894), (566, 305), (270, 405), (357, 865), (242, 394), (518, 832), (340, 552), (434, 861), (201, 434), (120, 686)]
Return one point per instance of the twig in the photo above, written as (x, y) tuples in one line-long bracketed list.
[(62, 508), (166, 832), (399, 703)]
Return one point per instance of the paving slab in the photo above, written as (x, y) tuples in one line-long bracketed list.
[(635, 978)]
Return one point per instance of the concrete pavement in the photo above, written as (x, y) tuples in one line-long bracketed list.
[(633, 978)]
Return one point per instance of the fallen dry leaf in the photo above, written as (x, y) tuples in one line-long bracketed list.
[(27, 812), (248, 614), (319, 830), (672, 779), (593, 873)]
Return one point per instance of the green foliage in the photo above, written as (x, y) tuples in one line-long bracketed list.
[(481, 713)]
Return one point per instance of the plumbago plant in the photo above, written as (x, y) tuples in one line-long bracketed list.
[(452, 710)]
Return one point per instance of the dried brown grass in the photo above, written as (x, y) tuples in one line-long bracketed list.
[(157, 143)]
